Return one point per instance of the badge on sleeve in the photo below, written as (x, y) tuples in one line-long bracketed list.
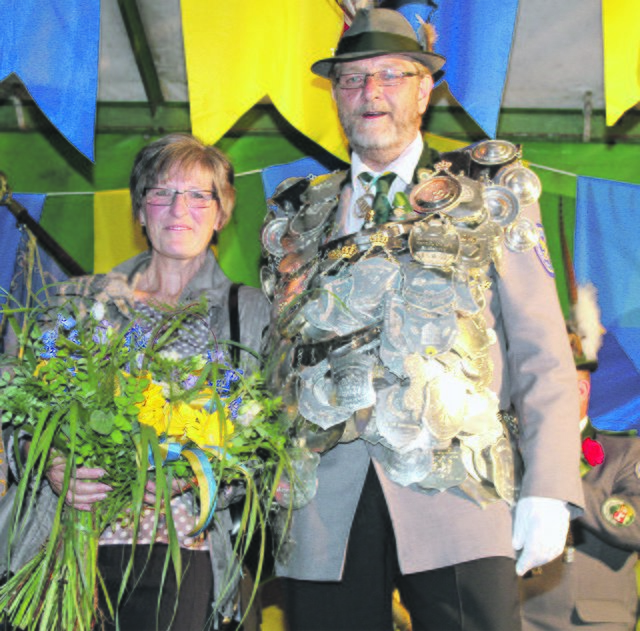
[(542, 250), (617, 512)]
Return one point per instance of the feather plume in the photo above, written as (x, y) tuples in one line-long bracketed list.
[(584, 316), (349, 8), (427, 35), (585, 313)]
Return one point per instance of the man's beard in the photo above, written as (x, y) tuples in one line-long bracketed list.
[(395, 135)]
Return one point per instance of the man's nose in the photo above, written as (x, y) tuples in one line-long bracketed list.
[(371, 85)]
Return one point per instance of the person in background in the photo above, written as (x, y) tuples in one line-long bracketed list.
[(182, 194), (593, 584), (412, 328)]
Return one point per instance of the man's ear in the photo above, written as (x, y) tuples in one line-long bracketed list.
[(424, 92), (584, 392)]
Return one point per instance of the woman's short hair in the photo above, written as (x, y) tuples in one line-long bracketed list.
[(182, 152)]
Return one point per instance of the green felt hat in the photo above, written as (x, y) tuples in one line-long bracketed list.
[(376, 32)]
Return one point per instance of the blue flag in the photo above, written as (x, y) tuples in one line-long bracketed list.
[(273, 175), (475, 37), (52, 46), (10, 236), (607, 255)]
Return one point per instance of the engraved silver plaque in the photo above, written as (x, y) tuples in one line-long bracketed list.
[(352, 374), (434, 242), (522, 181), (502, 205), (491, 152), (272, 234), (447, 470), (521, 235), (439, 193)]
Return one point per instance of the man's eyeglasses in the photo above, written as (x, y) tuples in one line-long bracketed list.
[(166, 197), (357, 80)]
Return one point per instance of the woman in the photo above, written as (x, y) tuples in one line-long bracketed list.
[(182, 193)]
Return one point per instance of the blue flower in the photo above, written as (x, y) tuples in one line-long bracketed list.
[(223, 386), (101, 332), (66, 323), (136, 337), (189, 382), (49, 339), (215, 357), (234, 406)]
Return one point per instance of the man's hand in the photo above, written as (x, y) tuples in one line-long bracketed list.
[(539, 531), (84, 491)]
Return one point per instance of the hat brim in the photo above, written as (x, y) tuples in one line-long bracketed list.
[(431, 61)]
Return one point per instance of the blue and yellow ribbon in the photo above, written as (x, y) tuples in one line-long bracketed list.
[(203, 471)]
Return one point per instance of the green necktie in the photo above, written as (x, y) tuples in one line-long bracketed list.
[(381, 204)]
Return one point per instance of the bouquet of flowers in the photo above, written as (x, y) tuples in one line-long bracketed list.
[(96, 396)]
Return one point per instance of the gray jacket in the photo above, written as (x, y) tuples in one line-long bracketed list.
[(115, 291), (593, 585), (533, 374)]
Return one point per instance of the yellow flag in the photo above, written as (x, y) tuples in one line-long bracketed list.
[(440, 143), (239, 52), (116, 236), (621, 35)]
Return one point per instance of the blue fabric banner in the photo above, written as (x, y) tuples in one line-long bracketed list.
[(475, 36), (615, 386), (607, 255), (272, 176), (53, 47), (10, 236)]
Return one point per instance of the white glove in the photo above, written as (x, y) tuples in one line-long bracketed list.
[(539, 531)]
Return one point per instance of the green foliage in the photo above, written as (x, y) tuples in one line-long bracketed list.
[(76, 391)]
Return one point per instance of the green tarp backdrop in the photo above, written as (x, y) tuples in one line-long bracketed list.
[(43, 162)]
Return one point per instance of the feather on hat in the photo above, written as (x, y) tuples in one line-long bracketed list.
[(584, 325), (374, 32)]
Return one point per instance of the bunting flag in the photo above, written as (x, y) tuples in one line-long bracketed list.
[(10, 236), (606, 254), (475, 38), (44, 271), (273, 175), (117, 236), (274, 45), (442, 144), (621, 40), (240, 52), (53, 47)]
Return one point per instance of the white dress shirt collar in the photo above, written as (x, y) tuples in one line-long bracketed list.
[(403, 166), (347, 221)]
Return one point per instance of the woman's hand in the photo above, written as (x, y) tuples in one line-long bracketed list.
[(177, 486), (84, 490)]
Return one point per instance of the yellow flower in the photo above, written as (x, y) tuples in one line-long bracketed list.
[(204, 398), (209, 430), (152, 410), (179, 417)]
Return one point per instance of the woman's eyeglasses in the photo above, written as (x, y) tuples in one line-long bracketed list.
[(166, 197)]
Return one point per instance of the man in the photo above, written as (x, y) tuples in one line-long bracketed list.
[(414, 317), (593, 584)]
